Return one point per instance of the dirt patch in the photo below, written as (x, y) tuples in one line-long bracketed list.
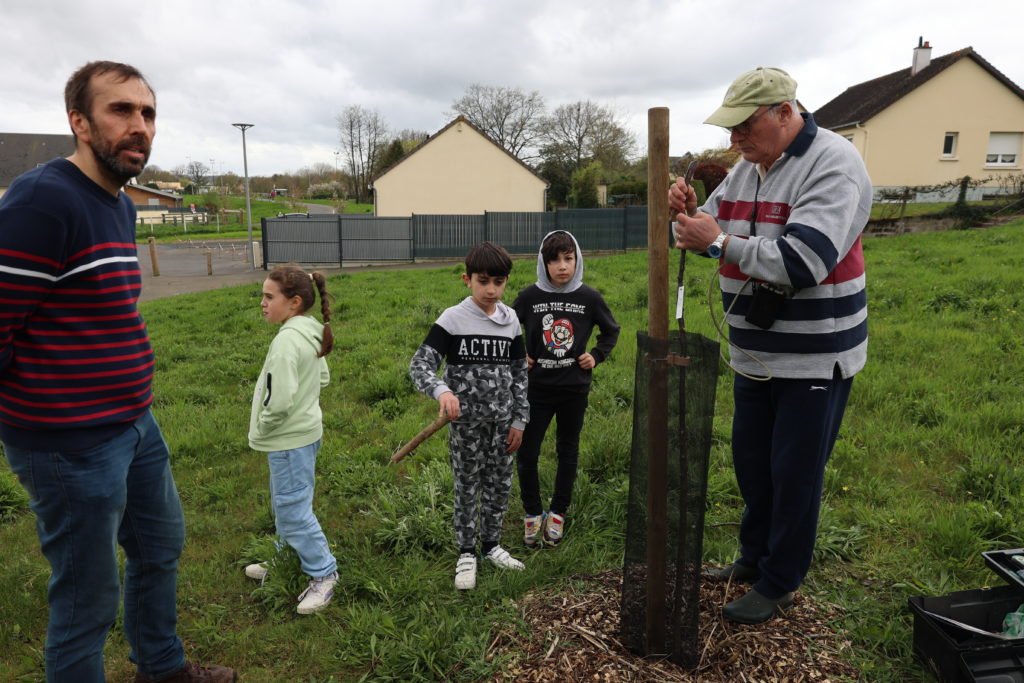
[(572, 635)]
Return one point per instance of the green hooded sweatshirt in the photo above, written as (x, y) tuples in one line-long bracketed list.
[(286, 404)]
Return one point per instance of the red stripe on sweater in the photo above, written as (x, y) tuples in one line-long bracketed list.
[(78, 347), (107, 276), (78, 418), (77, 390), (24, 288), (850, 268), (104, 245), (85, 361), (29, 257), (735, 211), (101, 304), (75, 404), (91, 318), (80, 375), (100, 290), (87, 333)]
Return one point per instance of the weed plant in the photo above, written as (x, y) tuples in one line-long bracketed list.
[(926, 474)]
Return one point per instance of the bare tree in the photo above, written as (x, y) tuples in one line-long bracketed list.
[(362, 133), (508, 115), (584, 131), (574, 136), (196, 172)]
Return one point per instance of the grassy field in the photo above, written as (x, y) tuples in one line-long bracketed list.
[(926, 474)]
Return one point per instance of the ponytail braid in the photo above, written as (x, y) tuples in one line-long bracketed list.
[(327, 345)]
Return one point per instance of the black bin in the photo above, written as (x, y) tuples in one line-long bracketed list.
[(956, 655)]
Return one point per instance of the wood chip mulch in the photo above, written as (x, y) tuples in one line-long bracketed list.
[(573, 636)]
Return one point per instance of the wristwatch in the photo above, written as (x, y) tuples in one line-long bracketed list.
[(714, 249)]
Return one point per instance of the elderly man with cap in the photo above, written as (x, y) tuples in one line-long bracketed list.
[(786, 226)]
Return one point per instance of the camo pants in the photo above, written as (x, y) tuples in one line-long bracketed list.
[(482, 469)]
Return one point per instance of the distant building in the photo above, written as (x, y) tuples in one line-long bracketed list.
[(458, 170), (168, 186), (935, 121), (21, 152), (147, 197)]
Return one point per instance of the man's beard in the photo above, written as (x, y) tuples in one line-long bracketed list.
[(109, 159)]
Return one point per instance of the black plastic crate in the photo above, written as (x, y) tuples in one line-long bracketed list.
[(947, 649), (1001, 665), (1003, 563)]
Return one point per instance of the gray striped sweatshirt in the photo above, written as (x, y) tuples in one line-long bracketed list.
[(800, 226)]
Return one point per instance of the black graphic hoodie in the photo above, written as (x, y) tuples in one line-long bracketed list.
[(484, 363), (558, 321)]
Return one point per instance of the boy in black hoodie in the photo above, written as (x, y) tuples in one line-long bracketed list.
[(558, 314)]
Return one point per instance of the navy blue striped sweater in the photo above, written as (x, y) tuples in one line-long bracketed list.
[(75, 359)]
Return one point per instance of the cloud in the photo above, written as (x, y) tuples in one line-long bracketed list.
[(290, 67)]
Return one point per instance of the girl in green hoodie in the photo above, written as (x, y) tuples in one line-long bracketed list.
[(286, 423)]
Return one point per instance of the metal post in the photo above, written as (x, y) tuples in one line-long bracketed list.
[(248, 203), (657, 326)]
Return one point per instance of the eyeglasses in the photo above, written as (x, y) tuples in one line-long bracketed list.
[(744, 128)]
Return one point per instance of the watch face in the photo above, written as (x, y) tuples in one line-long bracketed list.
[(714, 251)]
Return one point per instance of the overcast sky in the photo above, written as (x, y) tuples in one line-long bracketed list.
[(291, 67)]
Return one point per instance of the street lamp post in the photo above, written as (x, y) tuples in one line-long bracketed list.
[(248, 203)]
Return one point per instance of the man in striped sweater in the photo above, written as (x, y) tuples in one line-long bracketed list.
[(75, 372), (786, 223)]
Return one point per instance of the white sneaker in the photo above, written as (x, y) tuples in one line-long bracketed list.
[(499, 557), (317, 594), (257, 571), (465, 572)]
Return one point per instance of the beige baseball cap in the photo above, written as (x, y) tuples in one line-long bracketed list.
[(763, 85)]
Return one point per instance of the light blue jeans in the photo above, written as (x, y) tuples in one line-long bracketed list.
[(292, 480), (86, 503)]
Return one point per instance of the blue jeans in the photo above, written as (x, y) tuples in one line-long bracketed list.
[(86, 503), (292, 480)]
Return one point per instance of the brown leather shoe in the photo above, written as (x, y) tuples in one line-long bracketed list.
[(193, 673)]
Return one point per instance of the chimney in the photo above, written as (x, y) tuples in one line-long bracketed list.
[(922, 56)]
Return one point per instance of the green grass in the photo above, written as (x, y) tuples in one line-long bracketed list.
[(926, 474)]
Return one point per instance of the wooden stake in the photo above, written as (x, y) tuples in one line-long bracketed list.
[(657, 402), (152, 257)]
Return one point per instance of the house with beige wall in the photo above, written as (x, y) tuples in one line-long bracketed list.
[(934, 122), (458, 170)]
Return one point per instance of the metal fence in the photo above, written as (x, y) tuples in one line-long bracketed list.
[(327, 238)]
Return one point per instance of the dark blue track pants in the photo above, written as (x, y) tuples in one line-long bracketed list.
[(782, 435)]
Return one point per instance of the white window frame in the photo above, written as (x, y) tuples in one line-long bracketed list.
[(1003, 149), (953, 138)]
